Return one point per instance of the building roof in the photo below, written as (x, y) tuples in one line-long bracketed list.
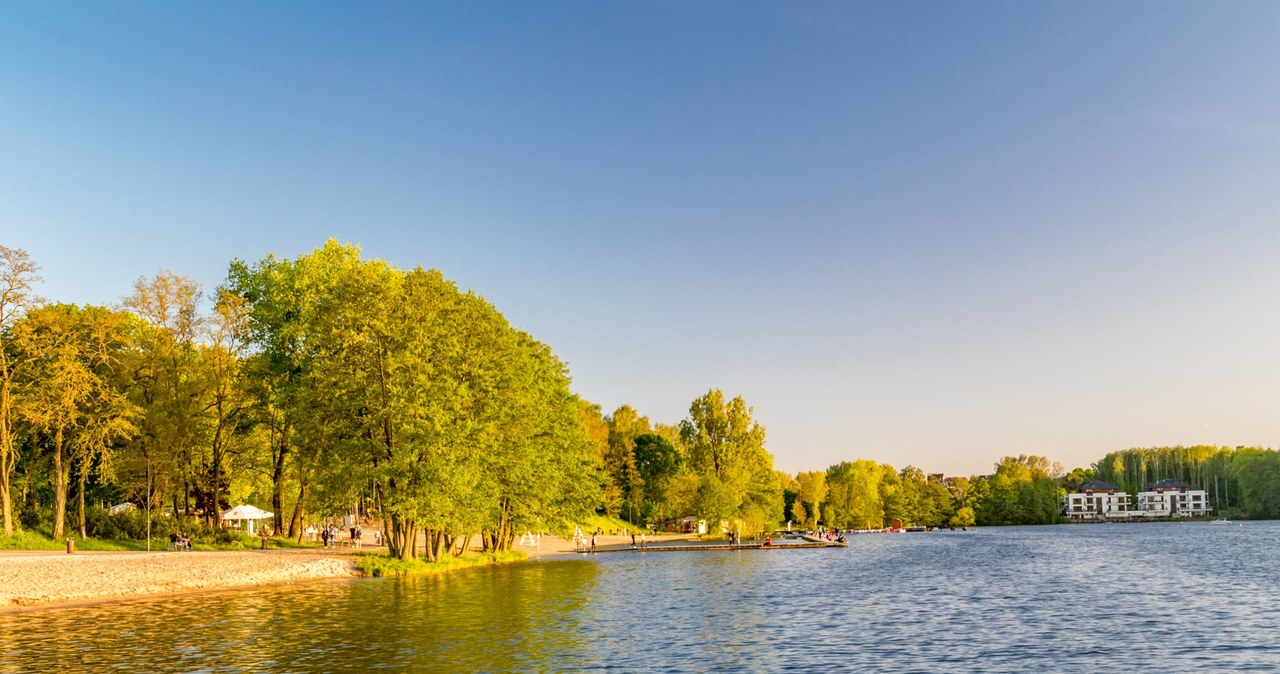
[(1168, 484), (1096, 485)]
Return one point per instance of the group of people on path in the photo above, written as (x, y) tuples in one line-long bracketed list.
[(180, 541), (580, 540), (329, 536)]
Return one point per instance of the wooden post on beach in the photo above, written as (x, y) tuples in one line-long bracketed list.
[(71, 545)]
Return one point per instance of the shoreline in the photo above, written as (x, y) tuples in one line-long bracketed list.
[(40, 579), (35, 581)]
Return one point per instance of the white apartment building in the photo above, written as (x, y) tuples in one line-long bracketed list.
[(1171, 498), (1096, 500)]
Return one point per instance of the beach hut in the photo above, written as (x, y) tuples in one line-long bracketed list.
[(248, 514)]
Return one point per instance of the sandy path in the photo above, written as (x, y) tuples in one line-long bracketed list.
[(34, 579)]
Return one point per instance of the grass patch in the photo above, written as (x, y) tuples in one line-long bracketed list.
[(39, 540), (29, 539), (609, 525), (379, 565), (242, 541)]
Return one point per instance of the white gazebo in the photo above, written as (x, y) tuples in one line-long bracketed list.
[(247, 512)]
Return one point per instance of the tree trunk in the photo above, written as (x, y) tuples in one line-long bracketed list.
[(7, 503), (295, 522), (442, 547), (500, 539), (83, 535), (394, 536), (7, 459), (405, 536), (215, 468), (435, 540), (465, 542), (60, 479), (279, 452), (8, 456), (402, 538)]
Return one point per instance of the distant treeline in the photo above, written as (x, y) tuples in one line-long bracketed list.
[(865, 494), (1242, 480)]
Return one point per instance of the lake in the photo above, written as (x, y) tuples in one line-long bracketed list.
[(1084, 598)]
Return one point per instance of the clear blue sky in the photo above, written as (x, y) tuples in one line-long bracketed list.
[(927, 233)]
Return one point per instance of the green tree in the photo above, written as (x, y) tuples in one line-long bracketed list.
[(165, 384), (715, 501), (625, 425), (722, 440), (964, 517), (68, 396), (17, 275), (225, 415), (598, 432), (1022, 491), (813, 491), (854, 492), (1258, 473), (658, 462)]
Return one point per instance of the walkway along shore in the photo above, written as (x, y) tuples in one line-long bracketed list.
[(810, 543), (39, 579)]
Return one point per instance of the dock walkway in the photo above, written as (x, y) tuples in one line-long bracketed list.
[(809, 544)]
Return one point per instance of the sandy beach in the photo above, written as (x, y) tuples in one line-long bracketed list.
[(35, 579)]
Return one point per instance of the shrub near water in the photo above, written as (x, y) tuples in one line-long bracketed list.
[(379, 565)]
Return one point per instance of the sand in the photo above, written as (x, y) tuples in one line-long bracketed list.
[(31, 579)]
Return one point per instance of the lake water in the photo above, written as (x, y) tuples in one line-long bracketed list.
[(1086, 598)]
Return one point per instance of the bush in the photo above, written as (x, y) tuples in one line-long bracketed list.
[(29, 516), (380, 565), (130, 524)]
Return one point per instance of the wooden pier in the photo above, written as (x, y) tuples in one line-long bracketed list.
[(809, 543)]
